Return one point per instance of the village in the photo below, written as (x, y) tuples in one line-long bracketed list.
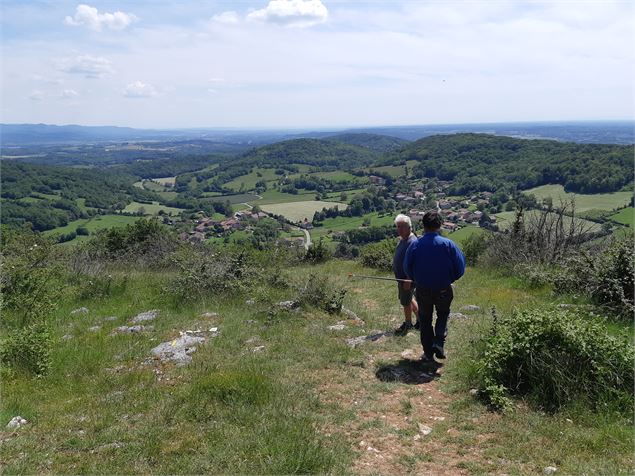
[(458, 212)]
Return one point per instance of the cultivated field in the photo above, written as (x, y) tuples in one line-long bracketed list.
[(583, 202), (151, 208), (248, 181), (625, 216), (505, 219), (298, 211), (93, 224)]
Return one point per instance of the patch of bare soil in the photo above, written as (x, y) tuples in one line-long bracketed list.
[(401, 423)]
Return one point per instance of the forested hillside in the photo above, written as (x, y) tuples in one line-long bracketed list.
[(376, 142), (49, 197), (480, 162)]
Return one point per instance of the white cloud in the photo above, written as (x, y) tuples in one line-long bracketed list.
[(36, 95), (89, 16), (138, 89), (300, 13), (69, 94), (87, 65), (227, 18)]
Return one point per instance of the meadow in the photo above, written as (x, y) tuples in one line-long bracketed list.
[(151, 208), (298, 211), (583, 202), (505, 219), (93, 224), (625, 216), (248, 181), (280, 392)]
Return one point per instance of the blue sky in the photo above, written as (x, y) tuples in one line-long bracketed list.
[(312, 63)]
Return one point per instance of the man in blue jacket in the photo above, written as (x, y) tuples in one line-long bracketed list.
[(433, 263)]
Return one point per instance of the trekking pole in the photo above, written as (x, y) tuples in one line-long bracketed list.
[(361, 276)]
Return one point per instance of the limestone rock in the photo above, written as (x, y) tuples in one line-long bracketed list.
[(350, 314), (67, 337), (209, 315), (131, 329), (471, 308), (110, 318), (550, 470), (178, 350), (457, 315), (94, 328), (424, 430), (81, 310), (16, 422), (145, 316), (250, 302), (288, 305), (340, 326)]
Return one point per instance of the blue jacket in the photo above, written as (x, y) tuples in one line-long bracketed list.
[(434, 262)]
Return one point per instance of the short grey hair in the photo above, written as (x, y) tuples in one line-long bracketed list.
[(401, 218)]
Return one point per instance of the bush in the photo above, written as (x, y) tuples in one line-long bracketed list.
[(28, 348), (29, 289), (317, 253), (143, 242), (555, 358), (379, 255), (606, 277), (210, 272), (320, 292), (473, 247)]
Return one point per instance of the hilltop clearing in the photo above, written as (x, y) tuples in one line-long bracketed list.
[(173, 358)]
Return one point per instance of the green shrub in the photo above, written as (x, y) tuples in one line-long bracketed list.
[(320, 292), (317, 253), (29, 288), (210, 272), (473, 247), (27, 348), (606, 277), (379, 255), (556, 357)]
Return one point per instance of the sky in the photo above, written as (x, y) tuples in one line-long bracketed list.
[(315, 63)]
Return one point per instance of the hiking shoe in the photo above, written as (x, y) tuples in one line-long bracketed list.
[(438, 353), (427, 359), (403, 329), (417, 326)]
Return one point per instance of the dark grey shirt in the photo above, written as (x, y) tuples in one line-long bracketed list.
[(400, 254)]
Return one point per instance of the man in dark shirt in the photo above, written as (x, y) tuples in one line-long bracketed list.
[(405, 288), (433, 263)]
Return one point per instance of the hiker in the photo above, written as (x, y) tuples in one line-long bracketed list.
[(405, 289), (433, 263)]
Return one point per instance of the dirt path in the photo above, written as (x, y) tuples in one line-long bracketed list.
[(402, 420)]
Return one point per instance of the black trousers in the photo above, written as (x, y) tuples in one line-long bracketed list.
[(428, 299)]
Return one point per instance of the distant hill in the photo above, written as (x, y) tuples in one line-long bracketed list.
[(376, 142), (317, 152), (49, 197), (583, 132), (477, 162)]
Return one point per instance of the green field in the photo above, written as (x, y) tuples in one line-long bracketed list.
[(583, 202), (93, 224), (394, 170), (464, 233), (275, 196), (331, 225), (338, 176), (151, 208), (248, 181), (234, 199), (625, 216), (298, 211), (505, 219), (165, 181)]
